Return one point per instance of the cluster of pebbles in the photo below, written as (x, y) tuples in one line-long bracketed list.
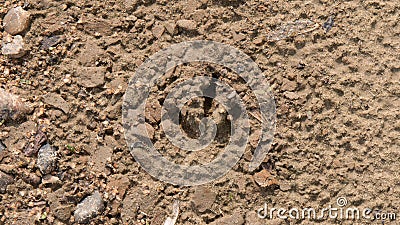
[(15, 23)]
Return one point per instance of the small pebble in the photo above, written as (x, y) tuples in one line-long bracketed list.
[(13, 46), (49, 179), (52, 41), (285, 186), (2, 147), (47, 158), (309, 115), (329, 24), (91, 77), (89, 208), (11, 106), (16, 21), (301, 66)]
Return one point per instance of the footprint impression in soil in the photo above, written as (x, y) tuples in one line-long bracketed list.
[(197, 112)]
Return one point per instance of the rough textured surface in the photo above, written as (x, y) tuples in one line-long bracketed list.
[(90, 207), (337, 96)]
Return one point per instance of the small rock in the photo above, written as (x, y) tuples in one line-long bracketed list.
[(8, 168), (89, 208), (329, 24), (289, 85), (309, 115), (49, 179), (52, 41), (40, 140), (158, 31), (47, 158), (31, 179), (16, 20), (13, 46), (301, 66), (203, 198), (187, 24), (90, 77), (11, 106), (2, 147), (5, 180)]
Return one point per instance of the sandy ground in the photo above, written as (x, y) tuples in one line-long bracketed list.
[(337, 94)]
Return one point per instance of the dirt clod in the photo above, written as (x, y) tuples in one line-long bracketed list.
[(91, 76), (203, 199), (158, 30), (56, 101), (265, 179), (289, 85), (187, 24)]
